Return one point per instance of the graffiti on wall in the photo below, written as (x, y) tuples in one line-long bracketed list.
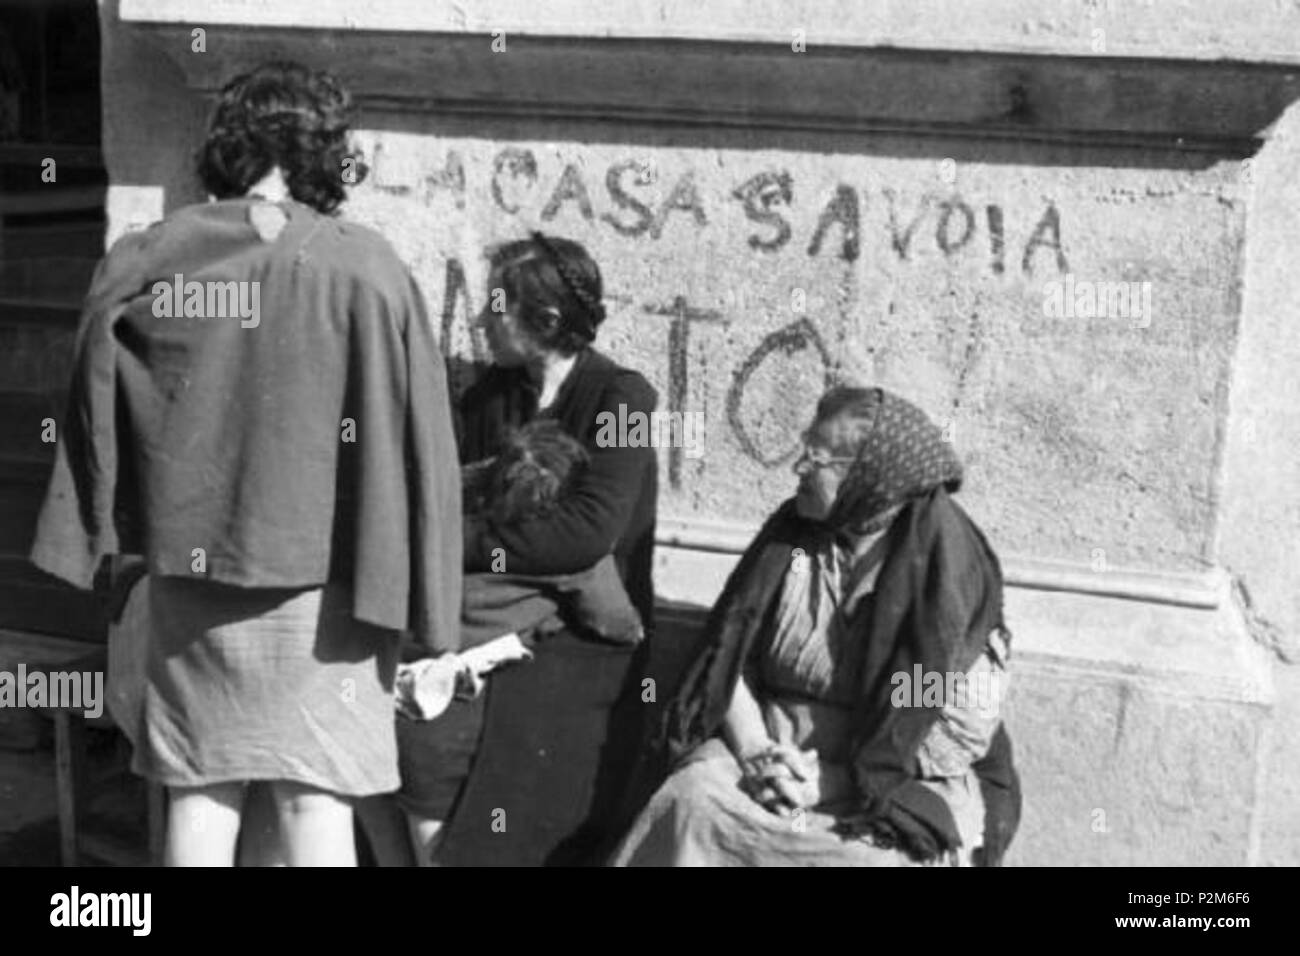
[(629, 199)]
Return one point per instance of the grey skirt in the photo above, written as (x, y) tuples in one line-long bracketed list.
[(215, 683), (701, 817)]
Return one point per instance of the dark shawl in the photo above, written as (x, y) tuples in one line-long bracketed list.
[(938, 596)]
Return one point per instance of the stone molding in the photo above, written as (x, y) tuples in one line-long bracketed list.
[(1221, 109)]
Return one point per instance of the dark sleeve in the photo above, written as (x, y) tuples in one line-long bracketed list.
[(1000, 787), (594, 514)]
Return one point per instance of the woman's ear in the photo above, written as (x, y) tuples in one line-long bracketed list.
[(551, 315)]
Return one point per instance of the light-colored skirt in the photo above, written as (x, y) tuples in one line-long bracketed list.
[(214, 683), (701, 817)]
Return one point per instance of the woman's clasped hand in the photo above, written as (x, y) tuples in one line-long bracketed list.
[(781, 778)]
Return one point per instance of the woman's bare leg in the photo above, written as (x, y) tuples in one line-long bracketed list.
[(384, 825), (203, 824), (316, 825)]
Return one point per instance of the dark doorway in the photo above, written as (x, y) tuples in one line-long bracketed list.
[(52, 190)]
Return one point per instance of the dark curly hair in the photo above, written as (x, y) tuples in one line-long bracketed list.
[(546, 272), (535, 467), (287, 115)]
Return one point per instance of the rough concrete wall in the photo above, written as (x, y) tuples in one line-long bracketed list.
[(1116, 774), (1141, 731), (739, 278), (1261, 512), (1279, 815), (1259, 537)]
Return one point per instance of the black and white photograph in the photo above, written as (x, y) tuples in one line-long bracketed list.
[(649, 433)]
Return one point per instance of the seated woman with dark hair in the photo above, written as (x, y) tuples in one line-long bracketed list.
[(532, 770), (792, 742), (503, 617), (557, 733)]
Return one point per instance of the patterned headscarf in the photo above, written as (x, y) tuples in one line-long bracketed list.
[(900, 453)]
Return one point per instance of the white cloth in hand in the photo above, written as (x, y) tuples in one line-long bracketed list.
[(425, 688)]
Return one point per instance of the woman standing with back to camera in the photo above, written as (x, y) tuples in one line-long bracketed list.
[(289, 480)]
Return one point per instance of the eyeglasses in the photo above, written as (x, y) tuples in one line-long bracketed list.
[(809, 460)]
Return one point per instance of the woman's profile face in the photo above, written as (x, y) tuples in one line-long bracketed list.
[(821, 469), (509, 339)]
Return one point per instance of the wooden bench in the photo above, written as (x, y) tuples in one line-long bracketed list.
[(76, 783)]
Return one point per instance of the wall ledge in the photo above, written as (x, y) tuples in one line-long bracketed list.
[(1206, 589), (1198, 652)]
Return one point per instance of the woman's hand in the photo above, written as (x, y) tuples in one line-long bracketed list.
[(782, 778)]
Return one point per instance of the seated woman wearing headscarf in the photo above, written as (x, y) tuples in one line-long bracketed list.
[(796, 736)]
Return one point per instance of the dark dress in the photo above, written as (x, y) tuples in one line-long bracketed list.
[(560, 732)]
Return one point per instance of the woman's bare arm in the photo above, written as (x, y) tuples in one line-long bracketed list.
[(745, 732), (743, 728)]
